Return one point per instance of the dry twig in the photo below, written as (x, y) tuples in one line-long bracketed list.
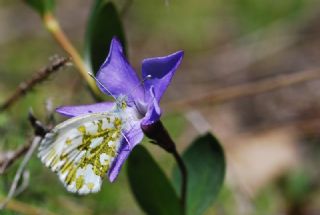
[(25, 208), (38, 77), (249, 89), (39, 131), (15, 156), (14, 185)]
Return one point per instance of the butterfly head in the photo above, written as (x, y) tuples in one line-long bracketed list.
[(121, 103)]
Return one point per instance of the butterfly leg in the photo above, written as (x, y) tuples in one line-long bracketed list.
[(127, 140)]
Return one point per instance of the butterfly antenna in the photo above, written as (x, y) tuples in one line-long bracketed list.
[(141, 82), (106, 89)]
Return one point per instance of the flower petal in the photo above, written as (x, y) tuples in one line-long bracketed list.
[(134, 135), (154, 112), (161, 70), (117, 76), (71, 111)]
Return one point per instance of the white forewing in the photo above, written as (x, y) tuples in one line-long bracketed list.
[(82, 149)]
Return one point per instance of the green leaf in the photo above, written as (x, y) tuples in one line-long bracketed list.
[(41, 6), (150, 186), (205, 163), (104, 24)]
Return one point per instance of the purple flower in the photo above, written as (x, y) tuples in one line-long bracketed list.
[(142, 97)]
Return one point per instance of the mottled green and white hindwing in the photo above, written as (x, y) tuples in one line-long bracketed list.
[(82, 149)]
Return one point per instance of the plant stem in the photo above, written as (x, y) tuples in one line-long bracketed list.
[(54, 28), (184, 179), (160, 136)]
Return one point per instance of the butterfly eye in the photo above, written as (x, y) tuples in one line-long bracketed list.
[(123, 105)]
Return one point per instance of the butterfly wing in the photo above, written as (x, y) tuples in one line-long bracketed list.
[(82, 149)]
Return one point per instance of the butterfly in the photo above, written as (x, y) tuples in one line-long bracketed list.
[(82, 149)]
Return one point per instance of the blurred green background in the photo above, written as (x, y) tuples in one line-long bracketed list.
[(271, 139)]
